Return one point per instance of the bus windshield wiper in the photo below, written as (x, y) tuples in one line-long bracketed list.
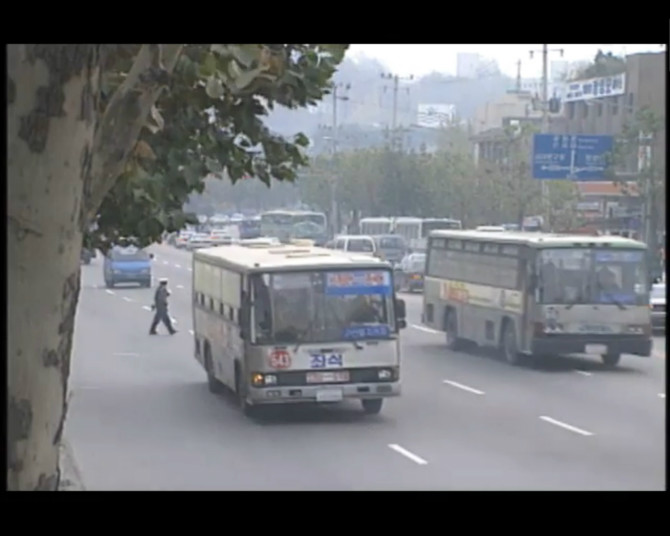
[(614, 300)]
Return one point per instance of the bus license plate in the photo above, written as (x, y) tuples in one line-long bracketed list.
[(328, 377), (329, 395), (599, 349)]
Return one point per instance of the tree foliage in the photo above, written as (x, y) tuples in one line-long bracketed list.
[(604, 64), (383, 182), (209, 120)]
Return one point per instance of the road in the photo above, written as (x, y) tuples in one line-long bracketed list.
[(141, 417)]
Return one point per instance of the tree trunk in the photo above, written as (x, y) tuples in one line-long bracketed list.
[(52, 92)]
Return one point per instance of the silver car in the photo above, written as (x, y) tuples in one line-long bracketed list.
[(657, 304)]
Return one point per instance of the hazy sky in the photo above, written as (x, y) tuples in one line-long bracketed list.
[(419, 60)]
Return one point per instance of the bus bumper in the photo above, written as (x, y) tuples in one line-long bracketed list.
[(321, 393), (577, 344)]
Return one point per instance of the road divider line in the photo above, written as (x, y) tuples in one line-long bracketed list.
[(129, 354), (583, 372), (659, 355), (109, 292), (190, 269), (463, 387), (177, 265), (126, 298), (407, 454), (146, 308), (427, 330), (566, 426), (190, 331), (166, 263), (661, 395), (180, 286)]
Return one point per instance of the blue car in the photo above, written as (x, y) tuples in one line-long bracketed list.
[(127, 265)]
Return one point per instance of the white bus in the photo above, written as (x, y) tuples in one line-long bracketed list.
[(536, 294), (375, 226), (288, 224), (281, 324), (416, 230)]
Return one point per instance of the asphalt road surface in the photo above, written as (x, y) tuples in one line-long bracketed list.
[(141, 417)]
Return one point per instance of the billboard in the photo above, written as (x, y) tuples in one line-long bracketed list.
[(435, 115), (595, 88)]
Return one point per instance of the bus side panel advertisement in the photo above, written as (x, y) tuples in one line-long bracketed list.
[(482, 296)]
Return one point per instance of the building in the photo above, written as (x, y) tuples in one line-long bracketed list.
[(602, 107)]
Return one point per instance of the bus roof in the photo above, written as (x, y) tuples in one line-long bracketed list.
[(291, 212), (261, 257), (376, 219), (408, 219), (541, 240)]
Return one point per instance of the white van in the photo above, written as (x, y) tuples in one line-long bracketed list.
[(355, 244)]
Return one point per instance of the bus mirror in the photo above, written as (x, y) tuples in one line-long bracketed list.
[(151, 255), (402, 323), (400, 311)]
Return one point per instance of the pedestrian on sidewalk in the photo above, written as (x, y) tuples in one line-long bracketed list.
[(161, 307)]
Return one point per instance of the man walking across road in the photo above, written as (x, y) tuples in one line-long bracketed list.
[(161, 307)]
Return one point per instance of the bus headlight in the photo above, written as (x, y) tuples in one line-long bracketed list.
[(257, 379), (384, 374)]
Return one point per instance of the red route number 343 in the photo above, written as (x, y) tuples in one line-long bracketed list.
[(280, 359)]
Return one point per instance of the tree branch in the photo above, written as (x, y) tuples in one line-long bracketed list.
[(124, 118)]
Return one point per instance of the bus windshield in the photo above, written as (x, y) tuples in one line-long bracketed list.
[(318, 219), (130, 253), (322, 306), (587, 275)]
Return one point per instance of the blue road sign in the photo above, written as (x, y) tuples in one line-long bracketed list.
[(571, 157)]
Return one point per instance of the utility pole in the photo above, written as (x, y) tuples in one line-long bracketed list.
[(545, 115), (394, 120), (518, 76), (334, 209)]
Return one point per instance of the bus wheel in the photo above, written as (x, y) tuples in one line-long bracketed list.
[(215, 386), (451, 329), (510, 349), (372, 406), (611, 360)]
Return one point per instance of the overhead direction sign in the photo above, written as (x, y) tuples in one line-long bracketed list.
[(571, 157)]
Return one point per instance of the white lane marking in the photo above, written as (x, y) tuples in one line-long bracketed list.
[(427, 330), (146, 308), (583, 372), (109, 292), (408, 454), (464, 387), (131, 354), (166, 263), (180, 286), (173, 320), (190, 331), (126, 298), (661, 395), (566, 426), (658, 355), (190, 269), (177, 265)]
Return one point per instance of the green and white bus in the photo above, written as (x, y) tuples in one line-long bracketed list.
[(536, 294), (289, 224), (282, 324)]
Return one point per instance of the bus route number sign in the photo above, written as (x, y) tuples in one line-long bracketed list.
[(280, 359)]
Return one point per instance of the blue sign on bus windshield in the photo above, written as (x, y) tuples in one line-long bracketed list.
[(380, 331), (619, 256), (358, 283)]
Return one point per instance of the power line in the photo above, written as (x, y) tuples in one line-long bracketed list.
[(396, 82)]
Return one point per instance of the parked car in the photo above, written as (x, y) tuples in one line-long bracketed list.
[(355, 244), (391, 247), (657, 304)]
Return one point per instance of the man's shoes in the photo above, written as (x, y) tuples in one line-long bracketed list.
[(153, 333), (173, 332)]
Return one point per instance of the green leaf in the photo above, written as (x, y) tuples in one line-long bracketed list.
[(208, 67), (214, 88), (213, 165), (222, 50), (246, 54), (245, 79)]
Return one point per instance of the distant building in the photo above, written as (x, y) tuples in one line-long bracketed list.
[(468, 65)]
